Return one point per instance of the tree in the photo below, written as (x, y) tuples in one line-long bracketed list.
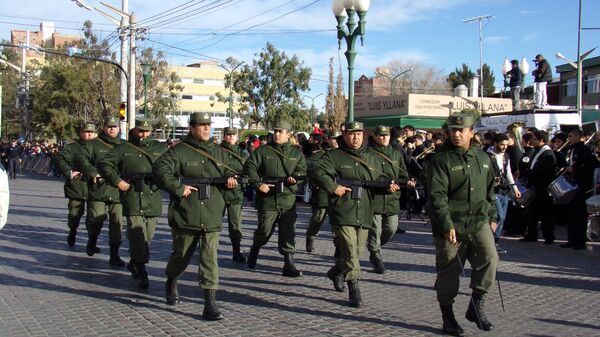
[(422, 79), (488, 81), (10, 80), (463, 76), (271, 89), (340, 103), (335, 102)]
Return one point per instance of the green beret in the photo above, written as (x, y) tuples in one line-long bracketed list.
[(230, 131), (200, 118), (461, 121), (111, 121), (282, 125), (143, 124), (88, 127), (353, 126), (382, 130)]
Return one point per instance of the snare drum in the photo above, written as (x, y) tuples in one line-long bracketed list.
[(562, 190)]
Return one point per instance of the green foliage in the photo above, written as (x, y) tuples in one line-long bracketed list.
[(488, 81), (463, 75), (10, 80), (271, 89)]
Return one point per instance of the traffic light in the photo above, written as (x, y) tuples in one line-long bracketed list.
[(122, 111)]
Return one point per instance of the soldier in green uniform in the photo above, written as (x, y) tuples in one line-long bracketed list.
[(234, 198), (386, 205), (188, 172), (102, 195), (463, 215), (129, 168), (76, 185), (319, 199), (350, 208), (273, 170)]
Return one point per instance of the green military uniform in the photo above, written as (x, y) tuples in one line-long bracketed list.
[(102, 195), (131, 162), (276, 207), (461, 197), (386, 205), (319, 201), (234, 198), (75, 188)]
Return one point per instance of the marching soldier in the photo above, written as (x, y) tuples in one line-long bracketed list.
[(386, 205), (350, 208), (102, 195), (76, 188), (129, 168), (319, 199), (234, 198), (189, 171), (463, 216), (273, 170)]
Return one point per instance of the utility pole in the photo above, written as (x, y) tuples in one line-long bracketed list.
[(131, 100), (123, 61), (480, 19)]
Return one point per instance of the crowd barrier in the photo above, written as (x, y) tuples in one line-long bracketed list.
[(37, 164)]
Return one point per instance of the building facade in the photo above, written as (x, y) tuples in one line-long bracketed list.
[(46, 36), (590, 85)]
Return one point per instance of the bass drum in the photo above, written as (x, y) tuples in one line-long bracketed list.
[(593, 228), (562, 190), (527, 196)]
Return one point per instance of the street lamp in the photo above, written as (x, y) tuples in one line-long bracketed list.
[(392, 79), (147, 72), (480, 19), (341, 9), (230, 71), (506, 67), (312, 105)]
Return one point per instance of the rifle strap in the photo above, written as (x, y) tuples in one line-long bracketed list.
[(392, 162), (105, 143), (233, 154), (152, 159), (282, 157), (211, 158), (364, 163)]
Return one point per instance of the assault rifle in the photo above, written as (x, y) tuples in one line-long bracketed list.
[(279, 182), (203, 183), (138, 180), (358, 185)]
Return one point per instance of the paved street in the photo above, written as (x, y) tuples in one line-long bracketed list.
[(48, 289)]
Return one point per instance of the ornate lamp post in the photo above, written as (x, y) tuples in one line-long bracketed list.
[(230, 72), (506, 67), (341, 9), (147, 71)]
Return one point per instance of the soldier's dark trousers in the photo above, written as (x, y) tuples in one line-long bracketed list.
[(184, 245), (480, 250), (234, 220), (316, 221), (140, 231), (577, 223), (13, 166), (286, 219), (97, 214), (351, 244), (76, 208), (541, 209)]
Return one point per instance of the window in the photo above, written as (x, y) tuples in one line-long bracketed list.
[(187, 97), (198, 81), (592, 84), (571, 87)]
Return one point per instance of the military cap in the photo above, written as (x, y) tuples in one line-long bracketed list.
[(200, 118), (333, 133), (111, 121), (88, 127), (382, 130), (353, 126), (282, 125), (143, 124), (460, 121), (230, 131)]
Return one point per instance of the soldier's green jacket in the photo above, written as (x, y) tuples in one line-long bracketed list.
[(75, 188), (461, 191), (319, 197), (393, 166), (265, 162), (90, 156), (340, 162), (126, 159), (183, 161), (237, 158)]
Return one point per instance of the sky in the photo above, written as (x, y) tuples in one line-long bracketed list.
[(428, 31)]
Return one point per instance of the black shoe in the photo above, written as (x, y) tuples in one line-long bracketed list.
[(377, 262), (133, 270), (289, 269), (253, 256), (499, 250), (71, 237), (310, 244), (115, 259), (91, 247), (526, 239), (143, 282), (567, 245), (475, 313), (354, 298), (237, 253), (211, 312), (171, 293), (450, 325), (337, 278), (400, 231)]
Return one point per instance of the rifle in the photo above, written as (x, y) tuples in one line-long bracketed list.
[(138, 180), (279, 182), (358, 185), (203, 183)]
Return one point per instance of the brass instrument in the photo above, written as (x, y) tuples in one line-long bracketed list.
[(402, 138), (425, 152), (517, 129)]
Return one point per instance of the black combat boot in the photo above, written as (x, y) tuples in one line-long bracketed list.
[(142, 275), (310, 244), (355, 300), (171, 291), (253, 256), (115, 259), (131, 267), (71, 236), (450, 326), (377, 262), (237, 253), (475, 313), (91, 247), (338, 279), (289, 269), (211, 312)]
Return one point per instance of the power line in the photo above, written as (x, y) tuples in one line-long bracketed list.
[(45, 19), (166, 13), (198, 11)]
